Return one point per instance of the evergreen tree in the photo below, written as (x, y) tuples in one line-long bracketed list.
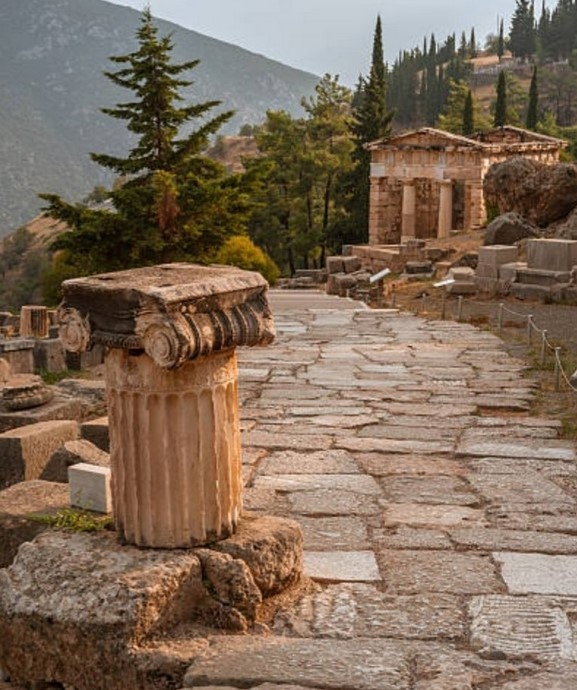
[(171, 203), (562, 31), (372, 121), (463, 47), (501, 41), (298, 177), (468, 115), (501, 105), (473, 44), (543, 32), (531, 121), (522, 34), (431, 105), (461, 114)]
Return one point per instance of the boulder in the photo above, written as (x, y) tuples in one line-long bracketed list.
[(539, 192), (508, 229), (272, 549), (566, 228)]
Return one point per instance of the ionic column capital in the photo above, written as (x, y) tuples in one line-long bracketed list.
[(174, 312)]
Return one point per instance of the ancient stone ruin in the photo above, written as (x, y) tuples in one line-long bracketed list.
[(428, 182), (171, 376), (170, 334), (549, 273)]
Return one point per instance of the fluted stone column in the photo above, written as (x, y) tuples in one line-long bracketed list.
[(409, 219), (34, 322), (475, 211), (174, 441), (445, 209), (171, 379)]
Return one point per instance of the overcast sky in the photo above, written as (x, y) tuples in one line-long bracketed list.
[(332, 36)]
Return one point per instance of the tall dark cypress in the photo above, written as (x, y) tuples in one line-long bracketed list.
[(522, 35), (468, 115), (532, 109), (372, 122), (473, 44), (501, 41), (501, 105)]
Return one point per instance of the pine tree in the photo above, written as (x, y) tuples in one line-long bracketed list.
[(468, 115), (171, 203), (531, 121), (501, 105)]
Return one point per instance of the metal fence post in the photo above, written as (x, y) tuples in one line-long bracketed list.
[(557, 368), (530, 329), (543, 346), (500, 318), (460, 308)]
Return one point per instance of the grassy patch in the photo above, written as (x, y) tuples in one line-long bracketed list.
[(75, 520), (53, 377)]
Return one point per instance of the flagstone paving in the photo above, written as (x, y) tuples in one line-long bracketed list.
[(439, 516)]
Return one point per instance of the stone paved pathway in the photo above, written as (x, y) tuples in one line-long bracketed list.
[(439, 516)]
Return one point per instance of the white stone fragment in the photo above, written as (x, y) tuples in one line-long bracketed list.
[(90, 487)]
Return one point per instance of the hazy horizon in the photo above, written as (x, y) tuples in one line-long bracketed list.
[(332, 36)]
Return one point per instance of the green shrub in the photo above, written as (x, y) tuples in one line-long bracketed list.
[(242, 252)]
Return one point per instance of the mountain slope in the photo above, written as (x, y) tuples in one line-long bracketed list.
[(52, 54)]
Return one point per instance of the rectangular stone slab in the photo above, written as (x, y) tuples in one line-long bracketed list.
[(90, 487)]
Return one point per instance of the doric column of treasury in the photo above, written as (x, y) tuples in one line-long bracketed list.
[(409, 212), (171, 376), (376, 200), (445, 209), (475, 211)]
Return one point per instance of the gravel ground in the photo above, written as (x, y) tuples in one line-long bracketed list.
[(560, 320)]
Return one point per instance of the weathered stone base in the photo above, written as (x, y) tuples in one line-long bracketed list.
[(18, 505), (104, 602)]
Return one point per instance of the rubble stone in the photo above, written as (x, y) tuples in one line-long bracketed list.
[(26, 451)]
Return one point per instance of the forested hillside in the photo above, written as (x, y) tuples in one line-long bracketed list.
[(429, 84), (52, 55)]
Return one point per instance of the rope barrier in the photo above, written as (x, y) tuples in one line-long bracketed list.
[(531, 328)]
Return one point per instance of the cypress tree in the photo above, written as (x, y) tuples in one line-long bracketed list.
[(463, 46), (372, 121), (473, 44), (171, 203), (501, 41), (501, 105), (468, 115), (522, 36), (531, 121)]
